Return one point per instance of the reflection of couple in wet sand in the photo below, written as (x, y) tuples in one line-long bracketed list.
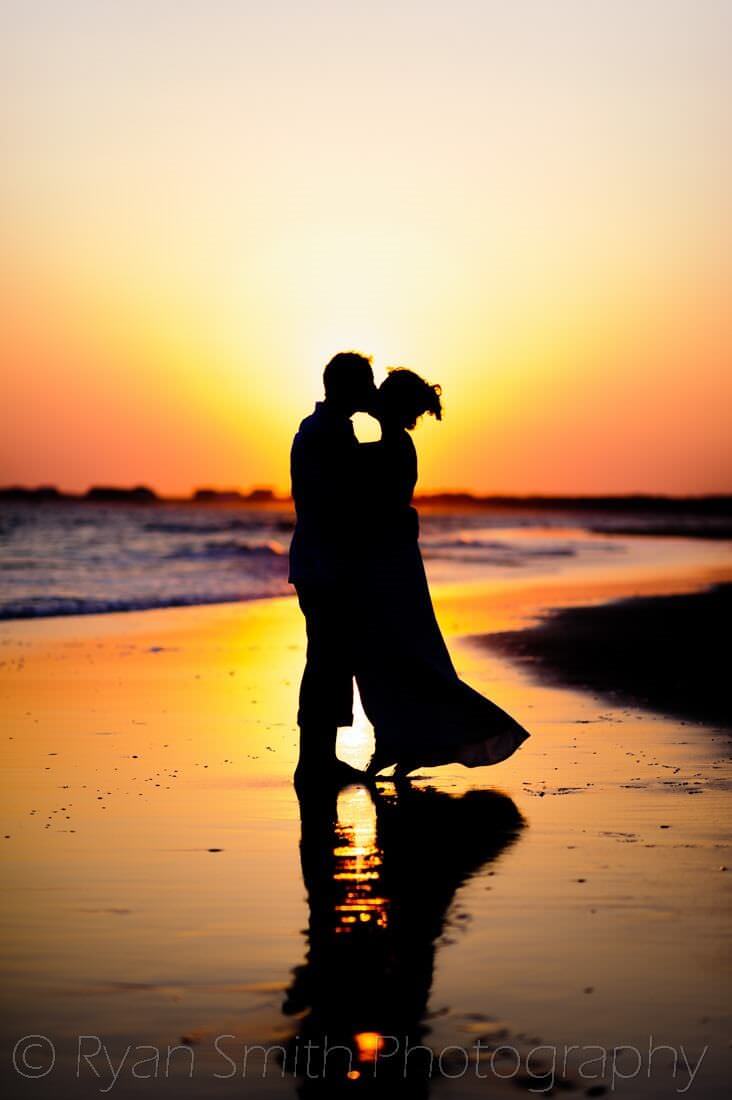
[(356, 565), (380, 875)]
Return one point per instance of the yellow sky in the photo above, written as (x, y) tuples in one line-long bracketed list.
[(525, 201)]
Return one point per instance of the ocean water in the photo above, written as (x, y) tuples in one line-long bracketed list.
[(68, 558)]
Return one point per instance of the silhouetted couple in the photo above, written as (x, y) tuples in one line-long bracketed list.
[(357, 568)]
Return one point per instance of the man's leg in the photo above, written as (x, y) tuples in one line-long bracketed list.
[(326, 690)]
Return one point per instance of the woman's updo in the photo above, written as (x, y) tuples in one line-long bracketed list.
[(406, 397)]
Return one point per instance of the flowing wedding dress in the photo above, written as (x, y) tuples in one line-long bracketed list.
[(423, 714)]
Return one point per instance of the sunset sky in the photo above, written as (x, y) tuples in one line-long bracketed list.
[(528, 202)]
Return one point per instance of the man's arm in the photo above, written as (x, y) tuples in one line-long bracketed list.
[(316, 473)]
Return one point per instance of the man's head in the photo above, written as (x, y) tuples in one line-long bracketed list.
[(349, 382)]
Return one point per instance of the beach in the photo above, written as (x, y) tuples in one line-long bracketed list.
[(154, 890)]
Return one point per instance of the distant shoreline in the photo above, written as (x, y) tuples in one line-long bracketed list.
[(706, 517), (661, 653), (708, 504)]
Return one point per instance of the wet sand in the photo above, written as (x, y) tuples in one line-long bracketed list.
[(666, 653), (155, 897)]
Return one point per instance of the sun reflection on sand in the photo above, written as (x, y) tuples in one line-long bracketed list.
[(357, 863)]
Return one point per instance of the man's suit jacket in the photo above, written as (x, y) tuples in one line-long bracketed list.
[(322, 467)]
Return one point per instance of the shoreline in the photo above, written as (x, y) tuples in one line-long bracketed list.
[(101, 558), (550, 589), (635, 637), (137, 610)]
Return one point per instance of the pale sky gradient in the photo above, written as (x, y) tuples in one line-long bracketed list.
[(528, 202)]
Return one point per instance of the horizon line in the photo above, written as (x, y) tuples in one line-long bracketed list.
[(268, 495)]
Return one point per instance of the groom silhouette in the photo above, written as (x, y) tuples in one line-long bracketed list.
[(323, 470)]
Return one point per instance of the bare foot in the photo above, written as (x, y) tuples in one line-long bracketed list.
[(377, 764), (346, 773), (327, 773)]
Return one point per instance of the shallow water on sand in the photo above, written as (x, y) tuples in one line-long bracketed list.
[(158, 895)]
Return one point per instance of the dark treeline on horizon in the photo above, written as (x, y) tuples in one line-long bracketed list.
[(719, 504)]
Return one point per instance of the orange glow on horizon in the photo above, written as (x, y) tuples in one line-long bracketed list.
[(533, 213)]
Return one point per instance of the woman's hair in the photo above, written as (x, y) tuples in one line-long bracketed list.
[(410, 396)]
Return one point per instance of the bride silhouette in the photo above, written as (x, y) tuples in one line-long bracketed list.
[(380, 875), (421, 711)]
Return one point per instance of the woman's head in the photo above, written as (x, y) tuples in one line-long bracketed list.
[(404, 397)]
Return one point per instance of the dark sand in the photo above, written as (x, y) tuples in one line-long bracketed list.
[(667, 653)]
